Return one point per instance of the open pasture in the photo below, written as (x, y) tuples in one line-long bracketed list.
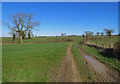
[(31, 62), (39, 62)]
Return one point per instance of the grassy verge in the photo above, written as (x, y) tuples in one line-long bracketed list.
[(112, 62), (31, 62), (85, 73), (106, 41)]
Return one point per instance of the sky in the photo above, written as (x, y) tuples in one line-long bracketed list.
[(60, 0), (65, 17)]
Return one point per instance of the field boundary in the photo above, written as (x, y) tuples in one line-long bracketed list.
[(35, 42)]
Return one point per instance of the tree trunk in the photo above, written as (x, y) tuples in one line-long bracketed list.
[(21, 39)]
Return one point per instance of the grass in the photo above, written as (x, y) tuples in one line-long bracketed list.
[(112, 62), (31, 62), (106, 41), (85, 73)]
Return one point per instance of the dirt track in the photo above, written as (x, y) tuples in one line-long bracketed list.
[(68, 71), (105, 73)]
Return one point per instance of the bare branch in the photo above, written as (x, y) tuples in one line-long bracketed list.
[(21, 22)]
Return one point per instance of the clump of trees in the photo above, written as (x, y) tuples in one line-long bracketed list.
[(22, 22), (107, 31)]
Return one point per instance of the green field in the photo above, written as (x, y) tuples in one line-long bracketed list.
[(34, 62), (59, 42), (31, 62)]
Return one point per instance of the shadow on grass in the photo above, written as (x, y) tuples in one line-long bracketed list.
[(107, 52)]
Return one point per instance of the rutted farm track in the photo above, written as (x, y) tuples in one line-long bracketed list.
[(104, 73), (68, 71)]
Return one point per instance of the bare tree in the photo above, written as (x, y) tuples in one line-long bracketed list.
[(32, 34), (22, 22), (88, 33), (98, 33), (108, 31), (35, 35), (102, 33)]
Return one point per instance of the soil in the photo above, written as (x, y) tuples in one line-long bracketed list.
[(42, 38), (68, 71), (35, 42), (104, 72)]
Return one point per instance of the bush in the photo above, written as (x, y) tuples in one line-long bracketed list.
[(14, 36)]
